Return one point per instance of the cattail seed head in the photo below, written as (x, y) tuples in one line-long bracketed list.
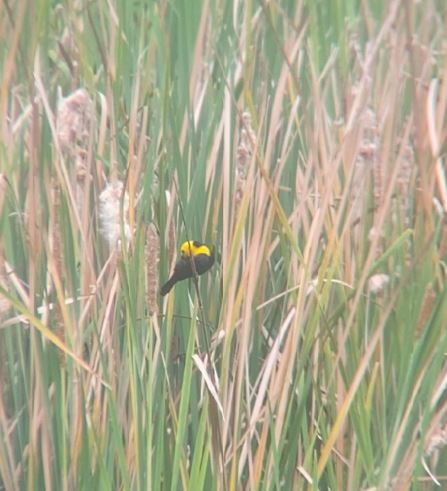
[(74, 114), (152, 258), (110, 214), (377, 283), (244, 153)]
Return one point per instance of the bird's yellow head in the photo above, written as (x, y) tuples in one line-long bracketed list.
[(194, 248)]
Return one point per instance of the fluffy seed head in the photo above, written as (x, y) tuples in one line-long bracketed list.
[(74, 114), (109, 214)]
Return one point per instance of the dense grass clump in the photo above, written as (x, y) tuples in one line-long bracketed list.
[(306, 141)]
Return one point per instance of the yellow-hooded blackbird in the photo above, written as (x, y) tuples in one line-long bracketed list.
[(191, 250)]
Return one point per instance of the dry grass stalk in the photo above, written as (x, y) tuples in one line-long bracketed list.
[(171, 236), (403, 183), (4, 304), (426, 311), (368, 158), (55, 247), (3, 190), (443, 241), (56, 277), (369, 144)]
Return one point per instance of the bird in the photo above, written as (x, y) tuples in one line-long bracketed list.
[(191, 252)]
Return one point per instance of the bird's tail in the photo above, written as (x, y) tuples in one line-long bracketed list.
[(166, 288)]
